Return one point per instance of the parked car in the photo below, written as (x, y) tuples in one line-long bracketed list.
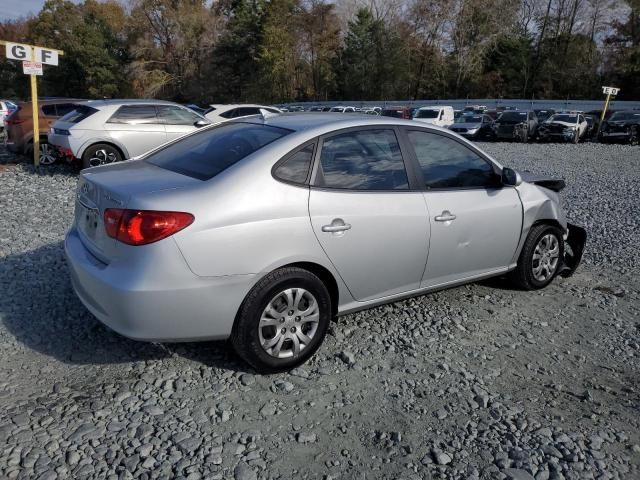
[(568, 127), (7, 107), (520, 125), (242, 231), (342, 109), (475, 127), (442, 116), (222, 113), (19, 126), (592, 126), (475, 109), (396, 112), (622, 126), (106, 131)]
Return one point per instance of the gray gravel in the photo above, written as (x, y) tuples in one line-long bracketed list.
[(480, 381)]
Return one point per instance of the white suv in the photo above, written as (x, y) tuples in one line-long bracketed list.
[(6, 107), (222, 113)]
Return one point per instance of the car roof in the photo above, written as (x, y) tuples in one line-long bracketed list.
[(304, 121), (430, 107), (49, 101), (236, 105), (128, 101)]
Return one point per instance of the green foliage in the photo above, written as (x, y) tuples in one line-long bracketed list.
[(294, 50)]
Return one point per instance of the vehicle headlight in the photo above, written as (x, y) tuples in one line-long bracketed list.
[(569, 130)]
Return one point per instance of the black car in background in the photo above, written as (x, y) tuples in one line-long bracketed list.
[(621, 127), (519, 125)]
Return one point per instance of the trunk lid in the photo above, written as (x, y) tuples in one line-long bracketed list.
[(113, 186)]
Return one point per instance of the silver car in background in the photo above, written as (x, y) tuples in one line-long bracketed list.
[(262, 230), (105, 131)]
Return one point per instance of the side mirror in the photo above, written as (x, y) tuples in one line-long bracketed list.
[(201, 123), (510, 177)]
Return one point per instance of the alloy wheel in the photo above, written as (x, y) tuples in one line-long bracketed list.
[(545, 257), (47, 154), (289, 323), (102, 157)]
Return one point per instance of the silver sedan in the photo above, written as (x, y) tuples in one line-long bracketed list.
[(262, 230)]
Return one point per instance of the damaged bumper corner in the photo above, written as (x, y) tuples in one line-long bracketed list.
[(574, 248)]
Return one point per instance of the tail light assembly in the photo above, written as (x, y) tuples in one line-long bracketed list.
[(142, 227)]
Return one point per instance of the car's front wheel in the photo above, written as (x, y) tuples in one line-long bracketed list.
[(282, 321), (540, 258), (100, 154)]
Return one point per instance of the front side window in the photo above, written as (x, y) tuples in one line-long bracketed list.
[(207, 153), (170, 115), (362, 160), (296, 168), (135, 115), (446, 163)]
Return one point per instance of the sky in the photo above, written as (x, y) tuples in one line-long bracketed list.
[(13, 9)]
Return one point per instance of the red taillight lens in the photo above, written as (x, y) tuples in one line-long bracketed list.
[(14, 121), (141, 227)]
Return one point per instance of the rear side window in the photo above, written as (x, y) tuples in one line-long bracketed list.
[(80, 113), (49, 110), (207, 153), (362, 160), (135, 115), (296, 168), (446, 163), (229, 113), (63, 108)]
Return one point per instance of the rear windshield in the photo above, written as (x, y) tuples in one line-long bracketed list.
[(427, 113), (80, 113), (470, 119), (564, 118), (207, 153)]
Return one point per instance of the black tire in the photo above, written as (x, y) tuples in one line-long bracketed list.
[(245, 336), (100, 154), (523, 275)]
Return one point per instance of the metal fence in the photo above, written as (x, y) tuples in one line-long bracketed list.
[(583, 105)]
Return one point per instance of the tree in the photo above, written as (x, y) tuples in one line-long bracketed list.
[(320, 41), (170, 42), (625, 53), (95, 51)]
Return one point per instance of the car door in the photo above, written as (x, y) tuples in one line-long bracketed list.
[(177, 120), (475, 221), (137, 128), (371, 225)]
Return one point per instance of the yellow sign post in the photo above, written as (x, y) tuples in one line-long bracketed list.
[(608, 91), (32, 58)]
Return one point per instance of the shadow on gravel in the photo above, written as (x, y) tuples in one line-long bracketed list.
[(40, 309)]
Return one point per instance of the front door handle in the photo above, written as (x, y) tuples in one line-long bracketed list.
[(445, 216), (337, 225)]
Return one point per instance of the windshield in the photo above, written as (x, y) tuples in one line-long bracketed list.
[(564, 118), (207, 153), (513, 117), (427, 113), (470, 119), (625, 116)]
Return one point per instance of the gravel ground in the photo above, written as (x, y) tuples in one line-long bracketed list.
[(480, 381)]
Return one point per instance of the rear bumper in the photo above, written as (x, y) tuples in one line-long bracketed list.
[(62, 146), (141, 302)]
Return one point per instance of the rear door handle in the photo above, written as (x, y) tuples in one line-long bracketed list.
[(445, 216), (337, 225)]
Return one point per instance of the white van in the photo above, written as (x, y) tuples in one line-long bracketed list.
[(442, 116)]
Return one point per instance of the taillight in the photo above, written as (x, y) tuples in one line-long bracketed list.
[(141, 227), (14, 121)]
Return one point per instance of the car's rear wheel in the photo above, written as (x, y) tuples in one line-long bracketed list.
[(48, 155), (100, 154), (541, 257), (282, 321)]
